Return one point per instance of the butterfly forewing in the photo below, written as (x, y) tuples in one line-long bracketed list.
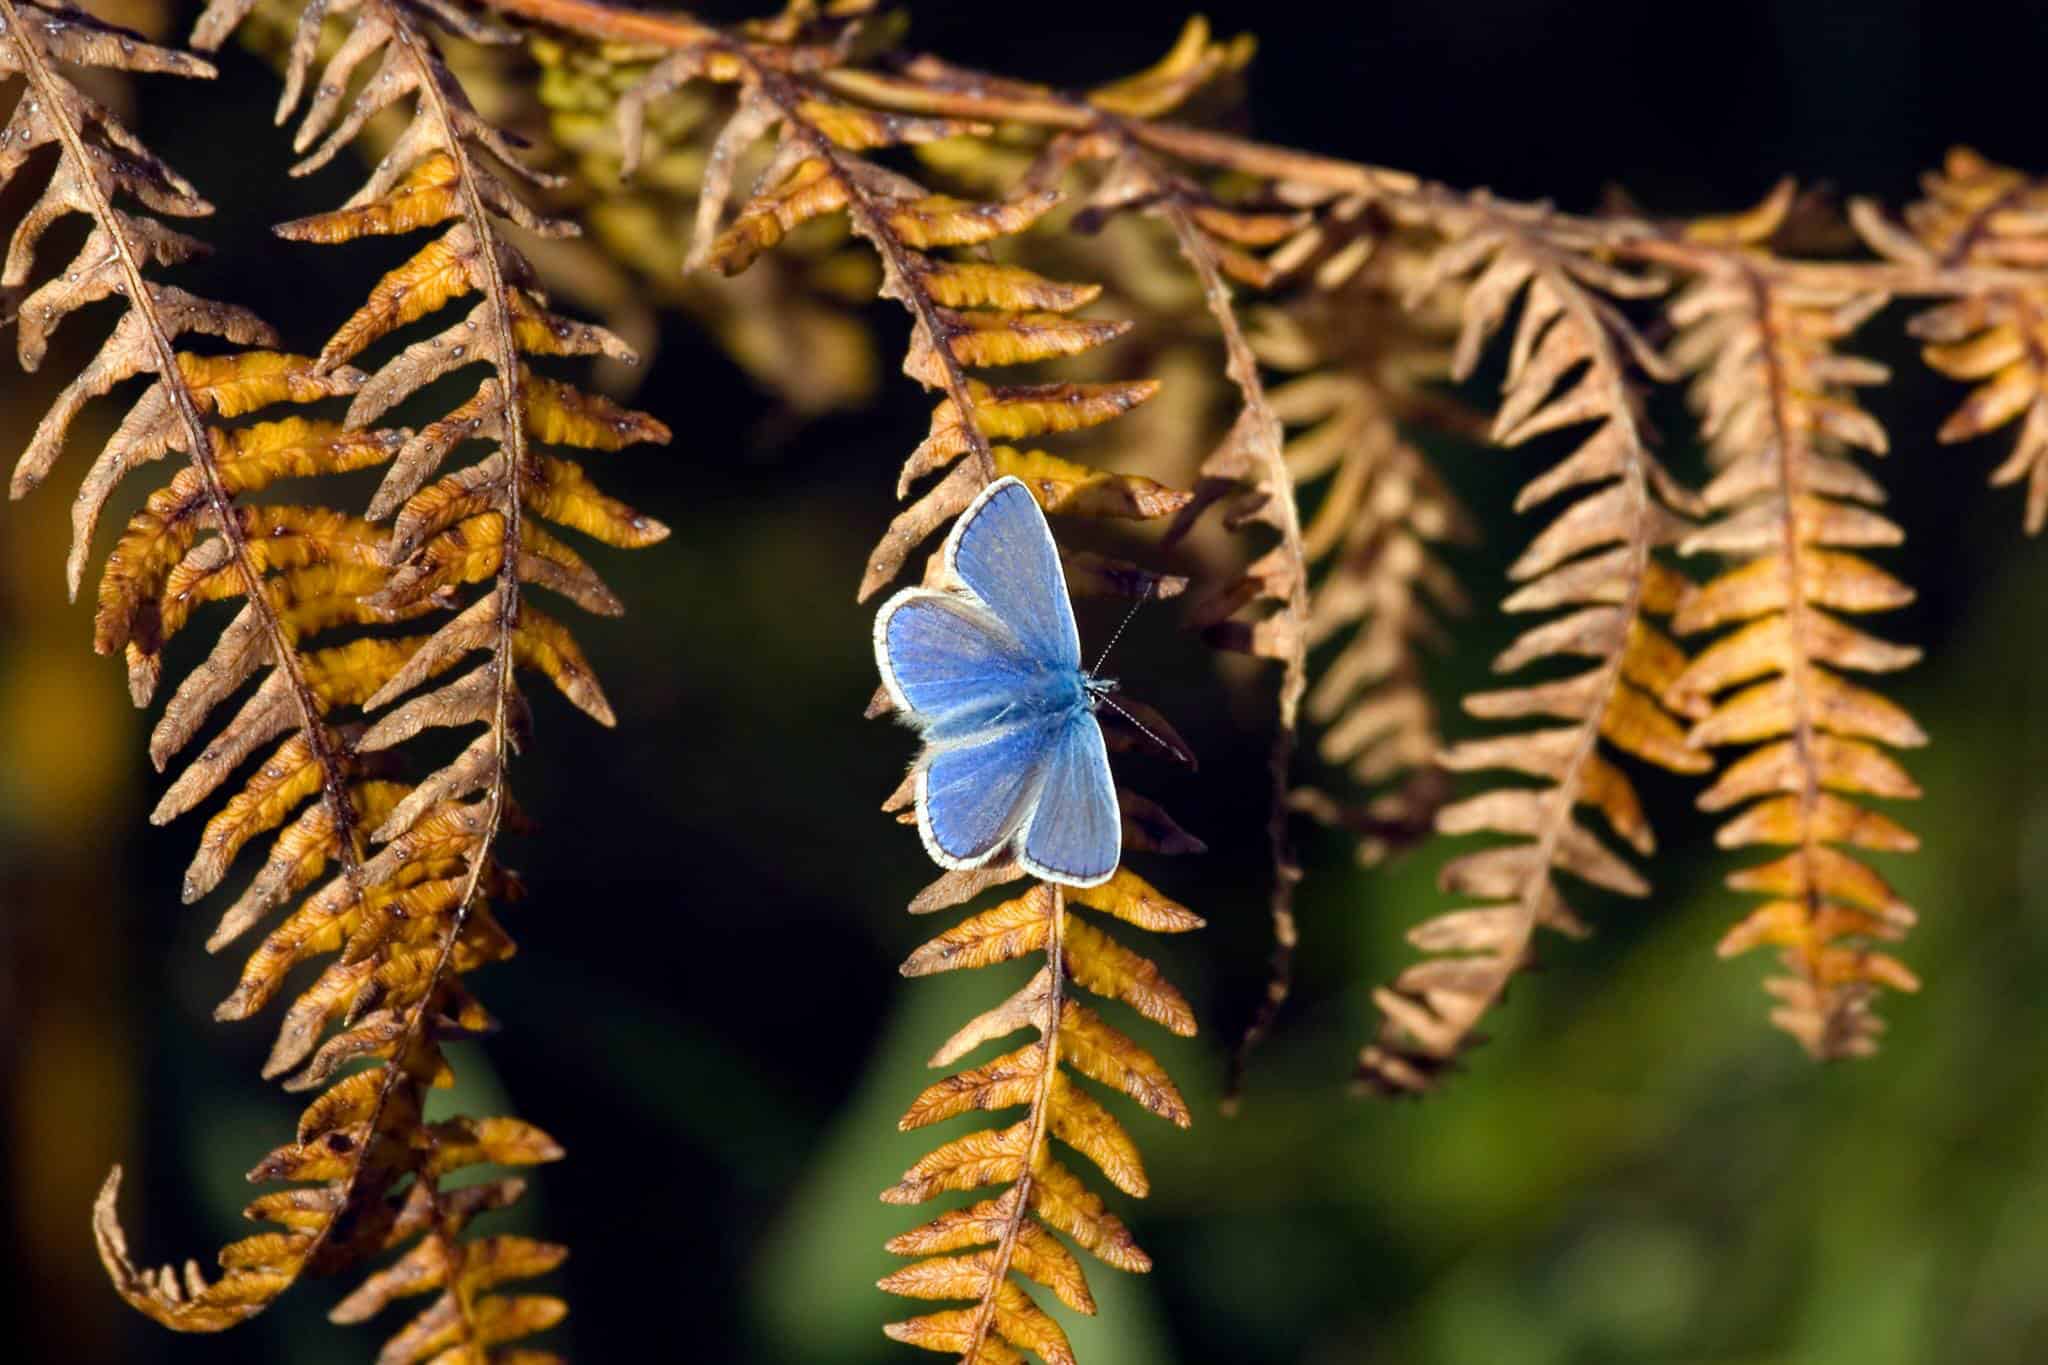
[(1076, 830), (1004, 552), (950, 662)]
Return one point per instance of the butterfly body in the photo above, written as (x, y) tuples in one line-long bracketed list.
[(989, 672)]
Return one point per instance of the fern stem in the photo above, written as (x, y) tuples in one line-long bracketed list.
[(1791, 485), (1265, 442), (1040, 1120), (1408, 196), (505, 360), (603, 21)]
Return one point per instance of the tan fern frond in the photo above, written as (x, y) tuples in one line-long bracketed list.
[(1247, 470), (299, 571), (1993, 335), (411, 918), (1359, 365), (1777, 402), (1569, 367), (1264, 612), (967, 313), (986, 1252)]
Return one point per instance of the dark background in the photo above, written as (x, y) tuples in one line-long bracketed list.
[(705, 1009)]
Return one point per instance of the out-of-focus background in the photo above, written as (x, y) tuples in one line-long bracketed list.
[(706, 1011)]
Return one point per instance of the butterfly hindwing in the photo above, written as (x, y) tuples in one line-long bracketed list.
[(973, 797), (1004, 552), (1075, 833)]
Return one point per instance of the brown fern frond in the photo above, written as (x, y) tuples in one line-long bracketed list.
[(1248, 469), (417, 914), (1776, 400), (986, 1252), (1995, 334), (1358, 364), (967, 313), (298, 571), (1569, 367), (1265, 611)]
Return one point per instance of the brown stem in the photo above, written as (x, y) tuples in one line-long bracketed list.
[(1264, 441), (1790, 445), (1404, 194), (1040, 1120)]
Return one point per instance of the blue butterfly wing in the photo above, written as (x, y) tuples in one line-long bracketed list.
[(973, 797), (1003, 550), (1076, 830), (995, 684), (950, 663)]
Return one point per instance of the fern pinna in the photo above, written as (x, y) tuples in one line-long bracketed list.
[(410, 918), (1983, 216)]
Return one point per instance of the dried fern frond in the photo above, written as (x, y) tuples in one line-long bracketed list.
[(1264, 611), (410, 919), (1776, 400), (967, 314), (1247, 471), (1994, 335), (985, 1252), (1569, 367), (1359, 363), (789, 320), (299, 571)]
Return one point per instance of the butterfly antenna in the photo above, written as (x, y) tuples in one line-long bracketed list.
[(1174, 749), (1118, 634)]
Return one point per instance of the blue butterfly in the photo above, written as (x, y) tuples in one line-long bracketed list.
[(992, 678)]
